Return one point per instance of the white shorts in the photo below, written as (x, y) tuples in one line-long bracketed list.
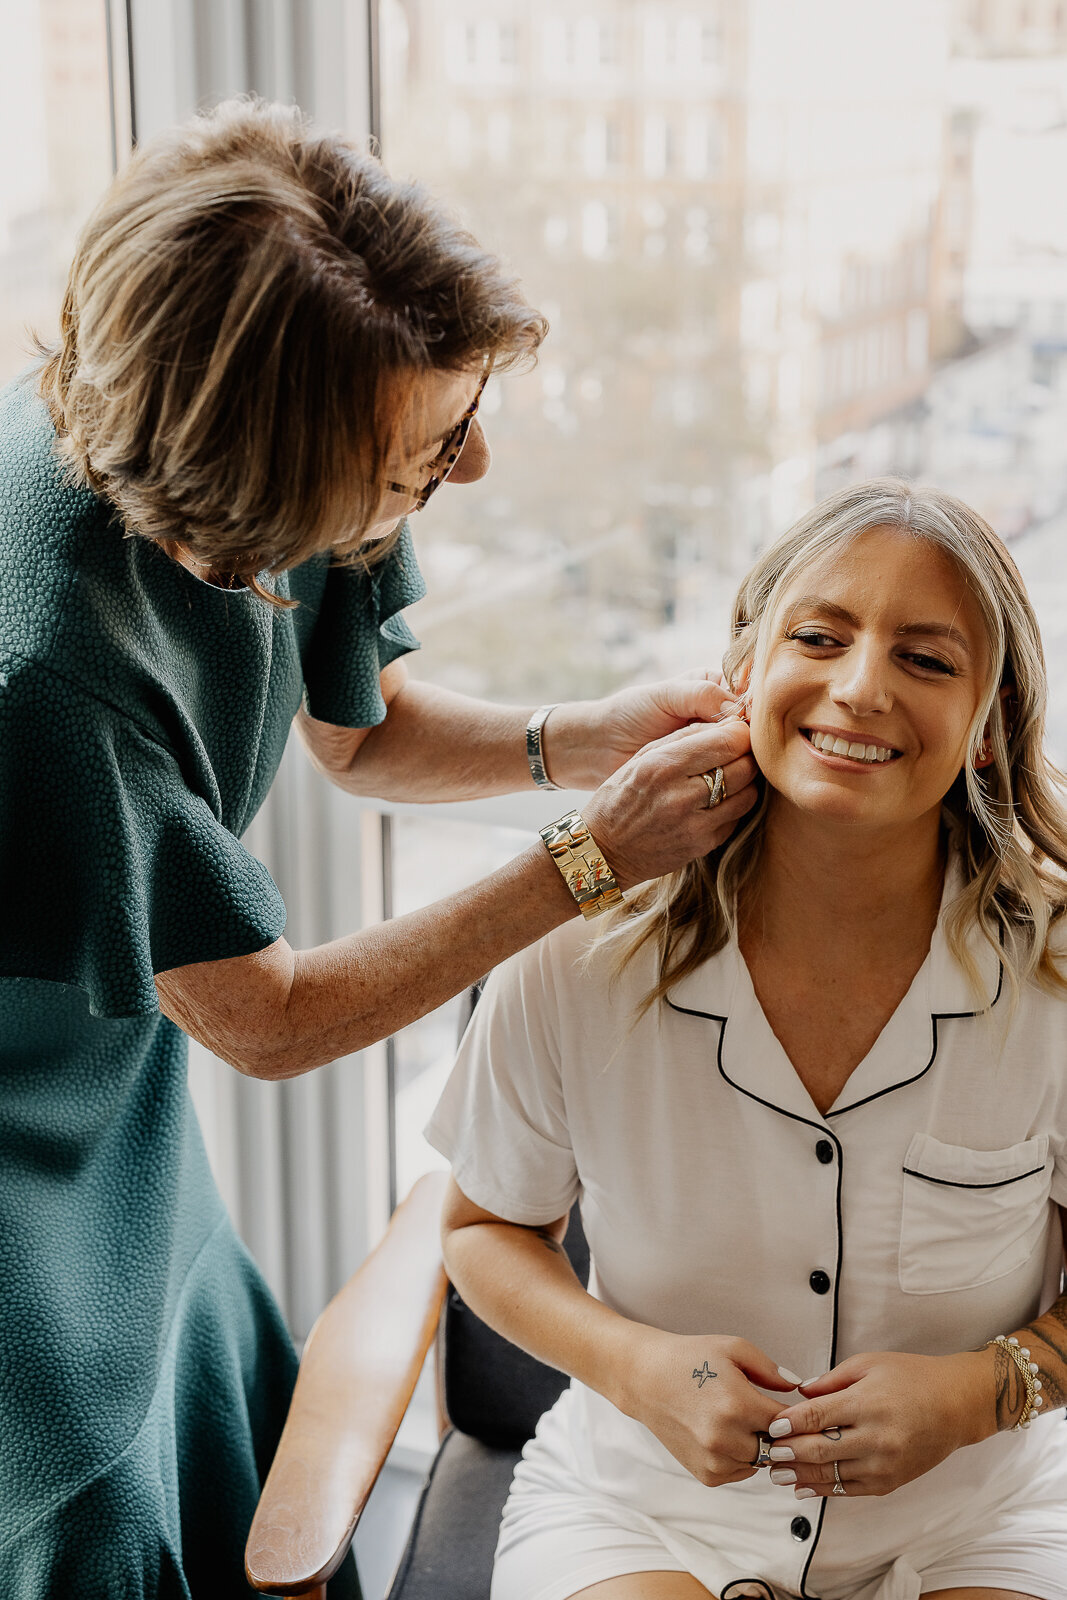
[(562, 1563), (558, 1538)]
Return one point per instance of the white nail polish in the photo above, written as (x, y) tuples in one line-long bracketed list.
[(790, 1377), (783, 1475), (805, 1382), (781, 1452), (804, 1494), (779, 1429)]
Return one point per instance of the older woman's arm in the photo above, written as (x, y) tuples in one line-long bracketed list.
[(280, 1012), (436, 745), (896, 1416)]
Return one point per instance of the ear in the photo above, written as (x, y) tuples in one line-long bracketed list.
[(740, 689), (984, 757)]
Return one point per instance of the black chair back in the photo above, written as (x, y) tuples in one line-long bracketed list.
[(492, 1390), (495, 1395)]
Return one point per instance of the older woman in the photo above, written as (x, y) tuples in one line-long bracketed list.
[(811, 1095), (270, 354)]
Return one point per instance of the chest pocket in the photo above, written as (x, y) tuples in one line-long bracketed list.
[(970, 1216)]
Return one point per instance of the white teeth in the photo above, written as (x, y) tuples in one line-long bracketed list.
[(832, 745)]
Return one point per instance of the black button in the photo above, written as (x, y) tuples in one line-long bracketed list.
[(800, 1528), (820, 1281), (825, 1151)]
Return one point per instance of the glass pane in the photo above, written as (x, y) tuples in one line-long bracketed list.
[(762, 283), (782, 247), (55, 126), (431, 857)]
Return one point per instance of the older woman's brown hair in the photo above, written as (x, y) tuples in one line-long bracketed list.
[(248, 308)]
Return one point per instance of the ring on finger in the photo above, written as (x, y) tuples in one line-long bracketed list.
[(716, 782), (839, 1487), (763, 1451)]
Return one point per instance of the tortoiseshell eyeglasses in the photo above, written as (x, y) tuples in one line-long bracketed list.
[(442, 465)]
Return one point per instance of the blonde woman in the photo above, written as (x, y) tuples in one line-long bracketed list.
[(811, 1095), (271, 353)]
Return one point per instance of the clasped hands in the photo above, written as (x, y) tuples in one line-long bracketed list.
[(885, 1418)]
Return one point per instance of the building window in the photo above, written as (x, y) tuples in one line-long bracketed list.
[(701, 145), (656, 145), (917, 340), (499, 137), (710, 43), (599, 229), (608, 51), (601, 145)]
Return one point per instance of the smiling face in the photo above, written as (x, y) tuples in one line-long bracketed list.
[(869, 675)]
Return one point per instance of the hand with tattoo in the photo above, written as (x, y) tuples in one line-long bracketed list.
[(698, 1395)]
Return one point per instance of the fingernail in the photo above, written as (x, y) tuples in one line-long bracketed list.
[(782, 1475), (806, 1382), (804, 1494), (779, 1429), (781, 1452), (790, 1377)]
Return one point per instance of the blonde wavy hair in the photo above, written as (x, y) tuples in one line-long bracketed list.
[(249, 307), (1007, 821)]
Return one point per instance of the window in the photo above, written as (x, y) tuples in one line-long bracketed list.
[(735, 261), (701, 146), (657, 145), (498, 140), (56, 114)]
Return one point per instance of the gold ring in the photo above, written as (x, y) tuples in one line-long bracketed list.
[(716, 783), (839, 1487)]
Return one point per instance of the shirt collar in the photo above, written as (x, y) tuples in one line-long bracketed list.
[(751, 1058)]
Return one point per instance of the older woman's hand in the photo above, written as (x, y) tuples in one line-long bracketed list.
[(885, 1419), (585, 741), (651, 816)]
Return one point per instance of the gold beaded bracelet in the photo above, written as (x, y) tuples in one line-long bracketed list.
[(1028, 1371), (581, 861)]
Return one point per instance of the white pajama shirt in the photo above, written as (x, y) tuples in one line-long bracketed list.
[(918, 1215)]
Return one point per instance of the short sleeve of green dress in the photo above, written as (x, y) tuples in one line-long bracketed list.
[(144, 1369)]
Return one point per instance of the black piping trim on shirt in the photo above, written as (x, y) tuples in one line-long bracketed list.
[(823, 1128), (935, 1018), (838, 1265), (950, 1183)]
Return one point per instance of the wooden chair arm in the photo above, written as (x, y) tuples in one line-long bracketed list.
[(357, 1375)]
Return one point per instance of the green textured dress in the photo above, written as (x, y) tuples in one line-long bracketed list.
[(144, 1368)]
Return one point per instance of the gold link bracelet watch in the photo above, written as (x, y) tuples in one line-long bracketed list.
[(581, 861)]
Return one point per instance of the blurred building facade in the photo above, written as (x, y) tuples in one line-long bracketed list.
[(731, 214)]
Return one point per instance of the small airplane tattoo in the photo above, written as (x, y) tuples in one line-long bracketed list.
[(702, 1374)]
